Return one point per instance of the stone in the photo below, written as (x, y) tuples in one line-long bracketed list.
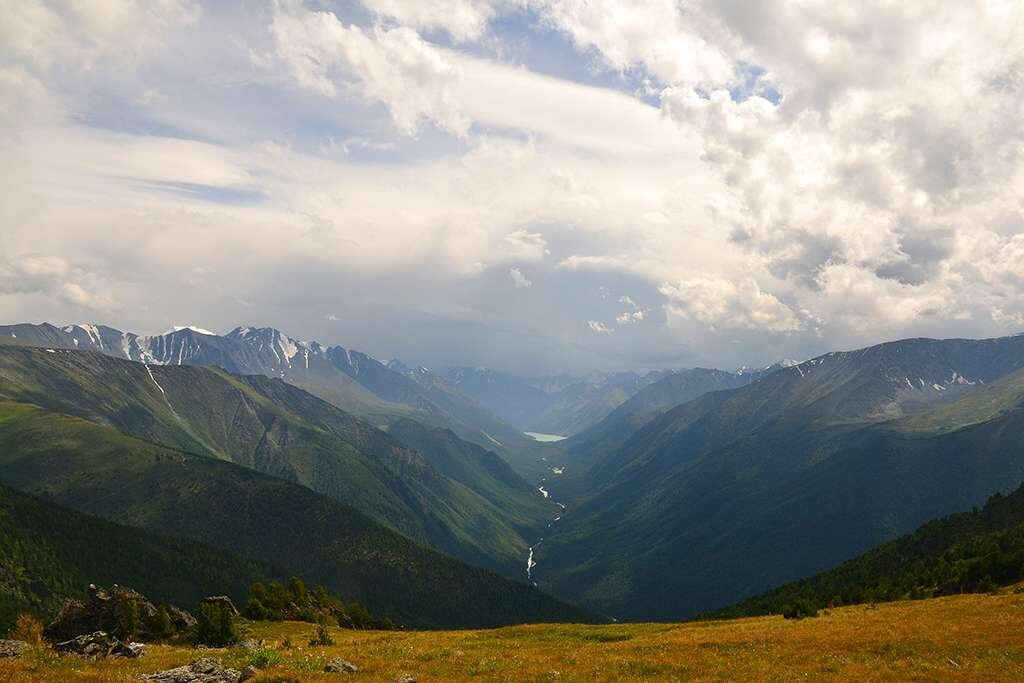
[(205, 670), (97, 645), (181, 619), (249, 645), (405, 678), (12, 648), (338, 665), (249, 673)]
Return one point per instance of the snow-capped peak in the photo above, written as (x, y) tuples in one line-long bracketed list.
[(193, 328)]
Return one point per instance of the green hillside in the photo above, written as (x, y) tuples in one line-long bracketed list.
[(730, 494), (48, 553), (98, 470), (281, 430), (963, 553)]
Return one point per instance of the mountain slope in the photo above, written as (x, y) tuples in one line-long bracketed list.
[(100, 471), (48, 553), (669, 391), (967, 552), (736, 491), (277, 429)]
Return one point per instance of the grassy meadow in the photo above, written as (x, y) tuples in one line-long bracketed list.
[(964, 638)]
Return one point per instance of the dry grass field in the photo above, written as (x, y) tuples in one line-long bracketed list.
[(963, 638)]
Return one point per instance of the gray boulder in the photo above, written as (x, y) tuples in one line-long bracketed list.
[(12, 648), (340, 666), (205, 670), (97, 645)]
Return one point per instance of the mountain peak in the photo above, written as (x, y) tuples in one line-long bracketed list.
[(190, 328)]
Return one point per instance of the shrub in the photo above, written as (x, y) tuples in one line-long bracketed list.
[(265, 657), (322, 637), (128, 616), (801, 608), (27, 628), (255, 609), (161, 627), (215, 626)]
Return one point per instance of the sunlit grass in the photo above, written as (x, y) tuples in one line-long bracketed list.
[(969, 638)]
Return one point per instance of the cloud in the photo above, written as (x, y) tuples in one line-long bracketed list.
[(630, 317), (395, 67), (599, 327), (723, 304), (518, 279), (658, 35), (463, 20), (51, 276), (769, 179)]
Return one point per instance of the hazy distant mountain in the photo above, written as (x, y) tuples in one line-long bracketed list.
[(726, 495), (559, 404), (673, 389)]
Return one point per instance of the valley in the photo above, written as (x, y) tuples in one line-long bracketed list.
[(511, 340), (699, 494)]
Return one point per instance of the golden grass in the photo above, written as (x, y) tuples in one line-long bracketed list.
[(963, 638)]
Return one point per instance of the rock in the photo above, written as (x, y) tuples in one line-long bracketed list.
[(221, 600), (249, 672), (97, 645), (405, 678), (180, 619), (12, 648), (112, 611), (249, 645), (138, 649), (205, 670), (340, 666)]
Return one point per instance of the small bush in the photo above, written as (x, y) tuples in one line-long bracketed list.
[(215, 626), (128, 616), (27, 628), (322, 637), (801, 608), (265, 657), (161, 627), (255, 609)]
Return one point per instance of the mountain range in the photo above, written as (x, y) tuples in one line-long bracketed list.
[(353, 381), (677, 492), (485, 517)]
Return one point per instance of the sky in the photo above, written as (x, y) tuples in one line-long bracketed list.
[(531, 185)]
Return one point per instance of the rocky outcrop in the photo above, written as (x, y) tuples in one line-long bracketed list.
[(340, 666), (98, 645), (12, 648), (206, 670), (120, 611)]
